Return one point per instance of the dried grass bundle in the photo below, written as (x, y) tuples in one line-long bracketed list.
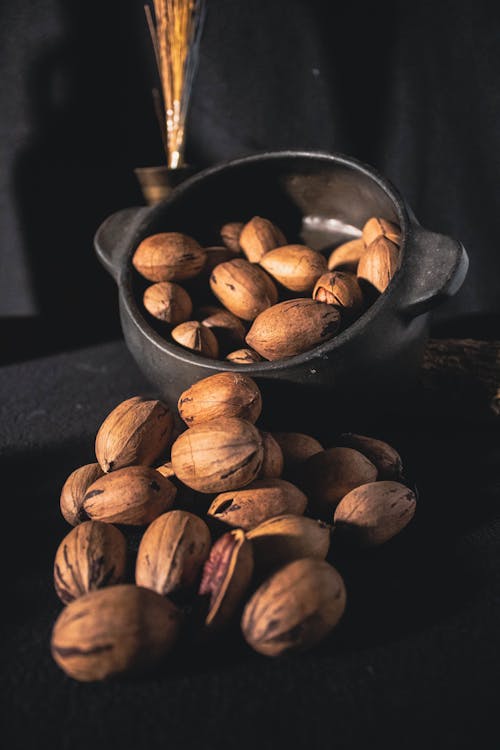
[(175, 29)]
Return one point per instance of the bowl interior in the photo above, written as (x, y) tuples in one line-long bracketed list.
[(320, 200)]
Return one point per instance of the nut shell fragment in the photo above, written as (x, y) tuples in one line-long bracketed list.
[(226, 577)]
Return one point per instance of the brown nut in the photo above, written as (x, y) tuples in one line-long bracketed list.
[(137, 431), (230, 235), (330, 475), (225, 394), (272, 465), (342, 290), (259, 236), (293, 327), (216, 254), (166, 470), (227, 328), (245, 289), (226, 577), (295, 608), (172, 552), (376, 227), (296, 267), (93, 555), (287, 537), (244, 357), (257, 502), (113, 631), (74, 490), (197, 337), (134, 496), (374, 513), (296, 448), (385, 458), (346, 257), (223, 454), (168, 302), (379, 263), (168, 256)]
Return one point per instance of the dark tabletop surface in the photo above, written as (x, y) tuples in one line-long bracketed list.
[(415, 662)]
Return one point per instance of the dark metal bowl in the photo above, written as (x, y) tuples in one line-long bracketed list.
[(320, 199)]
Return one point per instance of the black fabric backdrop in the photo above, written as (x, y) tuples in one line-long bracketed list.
[(409, 87)]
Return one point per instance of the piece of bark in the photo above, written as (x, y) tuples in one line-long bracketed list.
[(464, 368)]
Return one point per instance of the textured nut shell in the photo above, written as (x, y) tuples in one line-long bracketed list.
[(223, 454), (330, 475), (74, 489), (295, 608), (227, 328), (346, 257), (374, 513), (116, 630), (226, 394), (287, 537), (272, 465), (293, 327), (384, 457), (259, 236), (375, 228), (172, 552), (244, 357), (166, 470), (168, 302), (296, 267), (340, 289), (135, 495), (226, 577), (259, 501), (93, 555), (379, 263), (137, 431), (296, 448), (245, 289), (197, 337), (230, 235), (168, 256), (216, 254)]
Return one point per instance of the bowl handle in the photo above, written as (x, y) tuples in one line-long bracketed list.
[(113, 237), (435, 270)]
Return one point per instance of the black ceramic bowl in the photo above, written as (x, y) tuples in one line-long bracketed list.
[(319, 199)]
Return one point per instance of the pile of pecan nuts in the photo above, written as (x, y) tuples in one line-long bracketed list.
[(235, 525), (263, 299)]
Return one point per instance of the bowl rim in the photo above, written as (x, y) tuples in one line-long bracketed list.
[(177, 352)]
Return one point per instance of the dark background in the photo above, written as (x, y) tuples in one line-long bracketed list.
[(411, 88)]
